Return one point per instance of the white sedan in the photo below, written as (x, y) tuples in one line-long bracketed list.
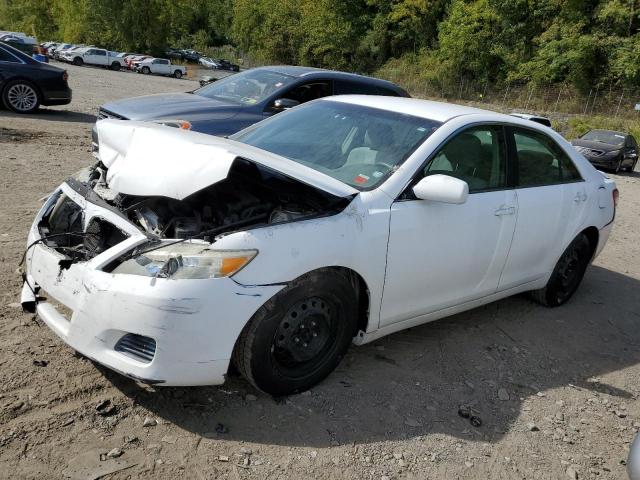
[(341, 220)]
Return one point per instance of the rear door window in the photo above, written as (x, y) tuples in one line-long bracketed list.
[(540, 160), (309, 91)]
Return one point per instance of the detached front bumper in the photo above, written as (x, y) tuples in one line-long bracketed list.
[(155, 330)]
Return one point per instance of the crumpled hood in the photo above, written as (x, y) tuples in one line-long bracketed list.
[(174, 106), (605, 147), (148, 159)]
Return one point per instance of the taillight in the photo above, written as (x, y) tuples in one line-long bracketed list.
[(616, 195), (65, 76)]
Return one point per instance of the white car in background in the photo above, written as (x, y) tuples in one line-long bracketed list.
[(342, 220), (96, 56), (160, 66)]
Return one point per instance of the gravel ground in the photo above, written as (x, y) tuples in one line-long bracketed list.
[(556, 390)]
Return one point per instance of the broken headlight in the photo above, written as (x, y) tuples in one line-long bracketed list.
[(186, 260)]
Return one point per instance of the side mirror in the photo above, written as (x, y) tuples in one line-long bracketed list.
[(442, 188), (284, 104)]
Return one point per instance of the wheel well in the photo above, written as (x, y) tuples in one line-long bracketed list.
[(362, 295), (593, 235)]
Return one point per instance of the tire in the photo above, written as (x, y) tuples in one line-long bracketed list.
[(567, 274), (299, 336), (177, 74), (146, 70), (115, 66), (618, 166), (78, 61), (21, 96)]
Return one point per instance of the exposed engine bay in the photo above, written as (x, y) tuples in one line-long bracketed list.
[(250, 196)]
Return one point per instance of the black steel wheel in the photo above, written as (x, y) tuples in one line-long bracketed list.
[(567, 274), (177, 74), (78, 61), (298, 337)]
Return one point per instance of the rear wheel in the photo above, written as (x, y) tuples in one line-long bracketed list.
[(21, 96), (177, 74), (298, 337), (567, 274)]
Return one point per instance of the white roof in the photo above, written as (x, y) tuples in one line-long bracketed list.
[(438, 111)]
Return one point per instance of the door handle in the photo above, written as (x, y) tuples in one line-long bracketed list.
[(505, 210)]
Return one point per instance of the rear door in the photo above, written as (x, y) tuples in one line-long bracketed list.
[(100, 57), (552, 202), (160, 66)]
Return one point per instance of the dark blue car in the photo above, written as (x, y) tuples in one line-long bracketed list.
[(237, 101)]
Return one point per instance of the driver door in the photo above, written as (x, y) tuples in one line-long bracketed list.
[(440, 254)]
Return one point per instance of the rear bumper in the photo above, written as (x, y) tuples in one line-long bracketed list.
[(58, 98), (193, 323)]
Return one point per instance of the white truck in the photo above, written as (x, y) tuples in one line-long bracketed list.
[(98, 56), (160, 66)]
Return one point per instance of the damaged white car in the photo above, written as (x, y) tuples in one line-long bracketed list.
[(344, 219)]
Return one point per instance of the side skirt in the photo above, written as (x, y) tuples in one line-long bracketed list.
[(361, 338)]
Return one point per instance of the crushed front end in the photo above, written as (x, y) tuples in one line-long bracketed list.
[(153, 325)]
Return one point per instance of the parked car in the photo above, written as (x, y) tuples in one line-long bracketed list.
[(240, 100), (160, 66), (57, 53), (271, 248), (173, 53), (25, 83), (534, 118), (96, 56), (208, 62), (608, 149), (227, 65), (69, 54), (131, 60), (190, 55)]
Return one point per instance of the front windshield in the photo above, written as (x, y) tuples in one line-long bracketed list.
[(246, 88), (604, 136), (360, 146)]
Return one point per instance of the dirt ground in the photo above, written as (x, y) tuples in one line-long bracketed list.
[(556, 390)]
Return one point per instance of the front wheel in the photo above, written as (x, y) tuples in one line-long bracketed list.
[(78, 61), (177, 74), (115, 66), (146, 70), (618, 166), (567, 274), (298, 337), (21, 96)]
